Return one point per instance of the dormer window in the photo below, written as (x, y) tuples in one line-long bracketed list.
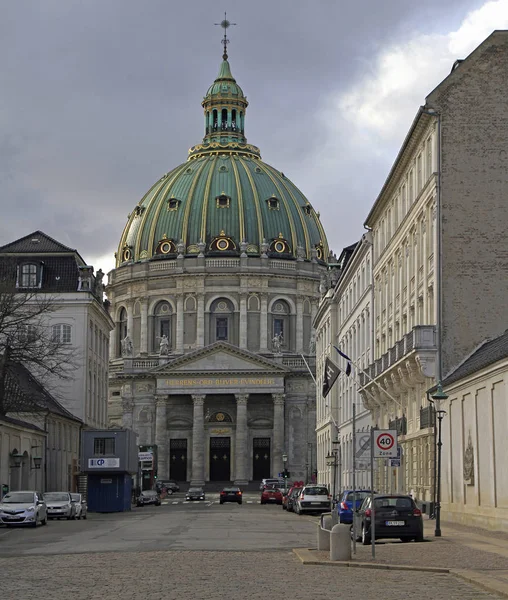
[(173, 204), (308, 209), (138, 211), (273, 203), (223, 201), (29, 275)]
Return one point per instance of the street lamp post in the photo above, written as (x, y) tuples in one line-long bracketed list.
[(438, 398)]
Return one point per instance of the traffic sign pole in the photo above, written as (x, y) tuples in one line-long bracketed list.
[(354, 477), (372, 508)]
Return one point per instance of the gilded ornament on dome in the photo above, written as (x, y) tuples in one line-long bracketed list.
[(144, 254), (252, 249), (192, 249)]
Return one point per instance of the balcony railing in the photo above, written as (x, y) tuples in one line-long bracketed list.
[(399, 424), (420, 338), (427, 417)]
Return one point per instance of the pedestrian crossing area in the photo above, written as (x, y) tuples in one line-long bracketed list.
[(209, 502)]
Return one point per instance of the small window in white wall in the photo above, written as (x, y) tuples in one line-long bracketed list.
[(61, 333)]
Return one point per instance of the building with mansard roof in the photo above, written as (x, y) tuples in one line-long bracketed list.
[(213, 295)]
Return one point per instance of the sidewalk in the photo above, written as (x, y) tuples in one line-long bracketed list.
[(476, 555)]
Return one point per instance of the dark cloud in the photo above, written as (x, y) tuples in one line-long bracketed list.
[(99, 98)]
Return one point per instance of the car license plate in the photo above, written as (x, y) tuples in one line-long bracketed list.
[(315, 502), (394, 523)]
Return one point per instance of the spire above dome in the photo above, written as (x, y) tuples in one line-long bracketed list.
[(224, 106)]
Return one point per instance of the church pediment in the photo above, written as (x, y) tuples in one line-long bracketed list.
[(223, 359)]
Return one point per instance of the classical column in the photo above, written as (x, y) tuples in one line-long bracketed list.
[(127, 410), (299, 325), (263, 325), (143, 341), (243, 321), (198, 441), (278, 433), (130, 319), (179, 324), (241, 450), (200, 322), (161, 439)]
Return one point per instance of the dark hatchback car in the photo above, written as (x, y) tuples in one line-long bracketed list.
[(291, 497), (396, 516), (231, 494), (148, 497)]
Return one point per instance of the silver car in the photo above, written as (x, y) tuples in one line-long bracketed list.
[(60, 505), (23, 508), (81, 506)]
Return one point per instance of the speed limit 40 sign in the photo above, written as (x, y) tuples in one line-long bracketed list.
[(385, 443)]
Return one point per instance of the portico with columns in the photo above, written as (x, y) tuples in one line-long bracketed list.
[(212, 423)]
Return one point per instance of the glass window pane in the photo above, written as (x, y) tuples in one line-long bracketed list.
[(221, 328)]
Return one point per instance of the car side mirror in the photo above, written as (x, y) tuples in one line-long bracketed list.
[(40, 502), (83, 501)]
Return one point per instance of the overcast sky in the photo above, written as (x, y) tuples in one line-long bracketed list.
[(99, 98)]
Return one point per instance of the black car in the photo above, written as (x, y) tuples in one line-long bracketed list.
[(195, 493), (171, 486), (397, 516), (292, 495), (231, 494), (148, 497)]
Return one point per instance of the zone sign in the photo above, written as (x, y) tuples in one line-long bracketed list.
[(385, 443)]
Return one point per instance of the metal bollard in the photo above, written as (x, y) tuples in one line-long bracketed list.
[(323, 532), (340, 542)]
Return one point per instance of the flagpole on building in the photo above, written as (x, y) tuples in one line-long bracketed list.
[(368, 377)]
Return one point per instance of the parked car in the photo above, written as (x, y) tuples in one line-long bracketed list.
[(60, 505), (170, 485), (23, 508), (312, 498), (195, 493), (81, 506), (291, 498), (397, 516), (271, 495), (148, 497), (268, 482), (230, 494), (345, 504)]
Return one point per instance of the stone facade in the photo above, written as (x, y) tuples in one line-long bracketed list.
[(440, 257), (222, 385), (344, 319)]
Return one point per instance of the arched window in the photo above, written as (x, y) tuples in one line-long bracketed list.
[(222, 320), (280, 324), (215, 120), (162, 324), (122, 329), (61, 333), (224, 119)]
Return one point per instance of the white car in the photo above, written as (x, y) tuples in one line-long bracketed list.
[(23, 508), (60, 505), (312, 498), (81, 506)]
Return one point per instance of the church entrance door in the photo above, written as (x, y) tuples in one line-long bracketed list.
[(220, 459), (261, 459), (178, 460)]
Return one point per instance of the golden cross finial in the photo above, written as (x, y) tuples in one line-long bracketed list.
[(225, 24)]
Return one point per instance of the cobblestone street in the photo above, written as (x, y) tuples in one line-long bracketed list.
[(214, 575)]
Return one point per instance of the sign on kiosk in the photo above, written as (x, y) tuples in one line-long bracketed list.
[(385, 443)]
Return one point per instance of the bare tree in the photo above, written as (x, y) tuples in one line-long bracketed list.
[(27, 338)]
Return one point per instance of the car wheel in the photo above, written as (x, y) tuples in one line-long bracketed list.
[(240, 502), (84, 516), (169, 492), (297, 509), (405, 540), (70, 517), (220, 502), (365, 536), (419, 537), (44, 521), (263, 502), (34, 524)]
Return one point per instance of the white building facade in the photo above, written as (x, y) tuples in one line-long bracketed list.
[(344, 319)]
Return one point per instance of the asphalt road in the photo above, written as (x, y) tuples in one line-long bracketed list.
[(176, 525)]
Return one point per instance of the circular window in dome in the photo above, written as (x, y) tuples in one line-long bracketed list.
[(165, 247), (279, 247), (126, 254), (222, 244)]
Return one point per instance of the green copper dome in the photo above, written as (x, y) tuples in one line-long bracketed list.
[(224, 201)]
